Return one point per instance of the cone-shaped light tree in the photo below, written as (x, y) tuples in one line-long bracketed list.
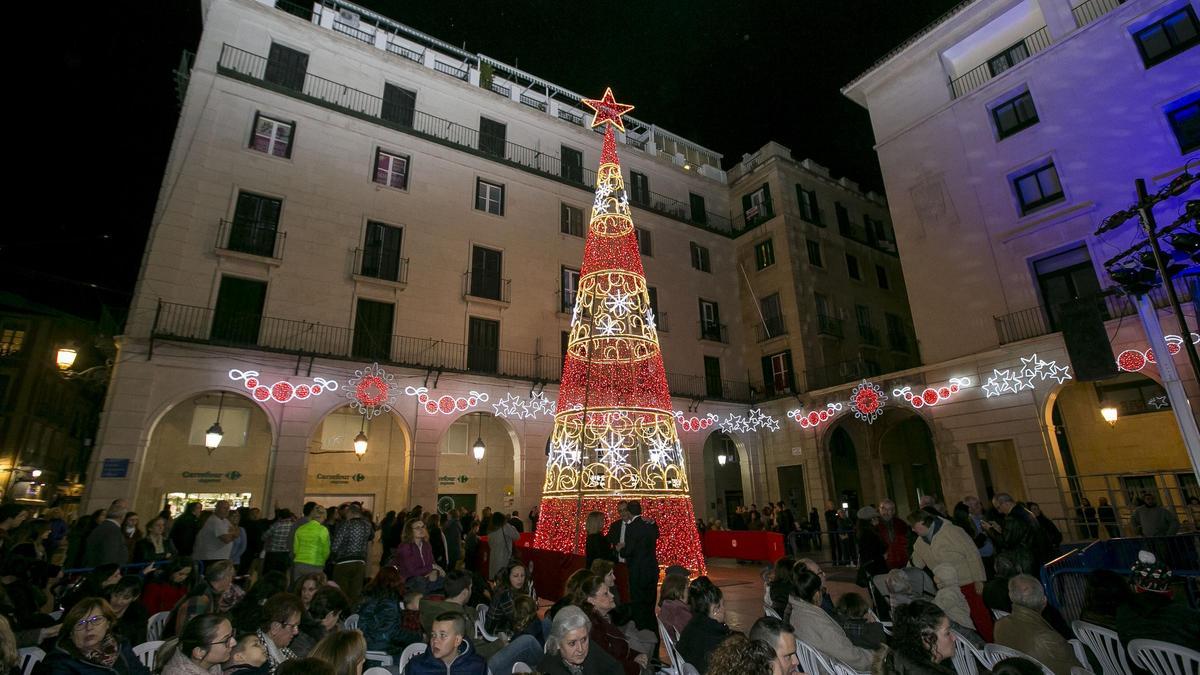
[(614, 434)]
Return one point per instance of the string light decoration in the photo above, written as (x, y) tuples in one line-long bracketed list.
[(372, 391), (1134, 360), (866, 400), (614, 434), (814, 418), (514, 407), (694, 423), (753, 421), (1032, 371), (446, 404), (281, 391), (931, 396)]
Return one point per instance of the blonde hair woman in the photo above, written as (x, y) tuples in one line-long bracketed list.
[(598, 547)]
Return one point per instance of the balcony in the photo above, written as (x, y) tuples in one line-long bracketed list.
[(187, 323), (451, 70), (867, 238), (249, 67), (840, 373), (1092, 10), (755, 216), (535, 103), (373, 265), (262, 240), (354, 32), (868, 335), (770, 327), (662, 323), (405, 52), (498, 88), (828, 325), (980, 75), (1037, 321), (486, 286), (713, 332)]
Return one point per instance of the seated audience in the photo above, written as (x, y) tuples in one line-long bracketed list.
[(306, 586), (949, 598), (570, 587), (780, 586), (380, 617), (247, 616), (87, 644), (131, 616), (569, 650), (205, 598), (1026, 631), (596, 599), (345, 650), (525, 620), (509, 583), (450, 651), (500, 654), (414, 558), (280, 623), (852, 616), (249, 657), (673, 609), (707, 627), (95, 584), (739, 654), (323, 616), (815, 627), (921, 643), (781, 638), (205, 643), (167, 586)]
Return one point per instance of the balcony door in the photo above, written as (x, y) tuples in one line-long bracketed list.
[(485, 272), (255, 224), (1065, 277), (373, 330), (286, 67), (399, 104), (483, 345), (238, 314)]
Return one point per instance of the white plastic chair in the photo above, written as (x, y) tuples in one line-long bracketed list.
[(29, 657), (382, 658), (965, 661), (998, 614), (376, 670), (1080, 670), (1105, 644), (155, 625), (1081, 654), (669, 641), (350, 622), (482, 609), (770, 611), (1164, 658), (147, 653), (520, 667), (997, 653), (410, 652), (812, 662)]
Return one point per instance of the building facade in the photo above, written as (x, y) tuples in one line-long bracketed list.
[(1007, 132), (345, 191)]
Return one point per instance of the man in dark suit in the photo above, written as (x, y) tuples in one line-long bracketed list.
[(616, 531), (641, 538), (106, 544)]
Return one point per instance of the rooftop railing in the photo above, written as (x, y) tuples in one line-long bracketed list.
[(1092, 10), (998, 63)]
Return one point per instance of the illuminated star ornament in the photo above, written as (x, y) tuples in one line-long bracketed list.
[(1032, 371), (607, 110)]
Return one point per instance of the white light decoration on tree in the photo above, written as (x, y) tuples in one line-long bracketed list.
[(1032, 371)]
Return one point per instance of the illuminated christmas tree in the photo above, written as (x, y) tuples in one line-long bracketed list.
[(614, 432)]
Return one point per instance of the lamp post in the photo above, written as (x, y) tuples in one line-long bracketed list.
[(65, 357), (360, 441), (479, 449), (1110, 414), (212, 437)]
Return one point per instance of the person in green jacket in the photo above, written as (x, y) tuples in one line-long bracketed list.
[(310, 544)]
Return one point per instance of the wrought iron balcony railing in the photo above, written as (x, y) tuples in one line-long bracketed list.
[(998, 63)]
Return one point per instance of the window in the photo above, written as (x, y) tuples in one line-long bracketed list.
[(809, 210), (491, 137), (486, 265), (772, 315), (865, 330), (756, 206), (639, 186), (897, 337), (373, 330), (764, 254), (881, 276), (699, 214), (483, 345), (710, 321), (255, 224), (645, 245), (852, 267), (12, 337), (1015, 114), (843, 217), (712, 377), (571, 165), (778, 376), (653, 293), (1170, 36), (1064, 277), (814, 254), (571, 220), (1037, 188), (569, 287), (391, 169), (489, 197), (239, 309), (1184, 117), (1008, 58), (1132, 394), (1136, 487), (272, 136), (564, 342), (381, 252), (700, 257), (399, 105), (286, 67)]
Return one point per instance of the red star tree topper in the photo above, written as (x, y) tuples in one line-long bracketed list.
[(614, 432)]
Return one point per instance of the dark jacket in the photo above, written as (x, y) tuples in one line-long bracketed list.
[(871, 552), (700, 637), (106, 544), (381, 624), (785, 522), (891, 662), (1020, 532), (1050, 530), (863, 633), (895, 536), (609, 638), (143, 550), (61, 662), (183, 533), (599, 548), (466, 663), (641, 538), (597, 662)]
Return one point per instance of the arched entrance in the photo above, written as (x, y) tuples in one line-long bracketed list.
[(335, 474), (843, 459), (493, 481), (908, 460), (722, 480), (179, 468)]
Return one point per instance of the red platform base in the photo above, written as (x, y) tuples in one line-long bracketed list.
[(561, 526)]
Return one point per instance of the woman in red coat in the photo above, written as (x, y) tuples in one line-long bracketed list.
[(164, 590)]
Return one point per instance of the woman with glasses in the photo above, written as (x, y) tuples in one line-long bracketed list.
[(88, 646), (281, 622), (414, 559), (206, 642)]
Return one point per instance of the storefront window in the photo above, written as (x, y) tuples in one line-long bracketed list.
[(178, 501)]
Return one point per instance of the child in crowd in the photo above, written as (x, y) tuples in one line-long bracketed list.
[(410, 618), (852, 615), (249, 657), (950, 599)]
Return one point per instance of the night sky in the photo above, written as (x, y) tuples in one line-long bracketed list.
[(730, 76)]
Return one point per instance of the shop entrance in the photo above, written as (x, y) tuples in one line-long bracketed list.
[(178, 501)]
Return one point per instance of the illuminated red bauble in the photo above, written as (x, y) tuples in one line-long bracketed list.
[(867, 401), (372, 391), (316, 389), (282, 392), (929, 396), (1174, 347), (917, 401), (302, 391), (261, 393), (445, 404), (431, 407), (1131, 360), (251, 383), (1150, 356)]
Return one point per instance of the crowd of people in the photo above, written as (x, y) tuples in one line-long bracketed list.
[(239, 594)]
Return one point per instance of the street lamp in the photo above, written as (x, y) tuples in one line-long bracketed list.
[(479, 448), (212, 437), (722, 459), (360, 441), (1110, 414), (65, 358), (36, 473)]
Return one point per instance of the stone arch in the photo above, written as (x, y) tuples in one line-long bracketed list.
[(381, 478), (496, 480), (908, 460), (725, 486), (174, 461)]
